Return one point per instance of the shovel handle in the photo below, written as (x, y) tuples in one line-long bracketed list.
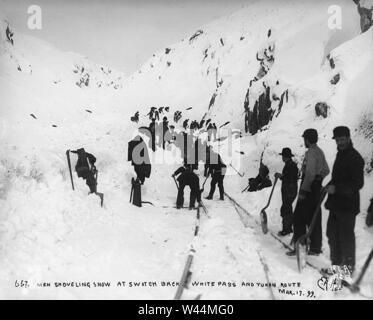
[(270, 196), (245, 189), (177, 186), (203, 185), (131, 190), (241, 175)]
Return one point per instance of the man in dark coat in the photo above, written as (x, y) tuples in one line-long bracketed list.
[(314, 170), (85, 168), (139, 156), (215, 166), (152, 127), (261, 181), (344, 200), (289, 190), (187, 178)]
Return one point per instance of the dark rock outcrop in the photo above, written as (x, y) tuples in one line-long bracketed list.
[(261, 114), (365, 13), (335, 79), (197, 34)]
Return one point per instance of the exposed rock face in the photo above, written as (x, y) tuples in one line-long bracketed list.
[(322, 109), (261, 114), (365, 9), (365, 129)]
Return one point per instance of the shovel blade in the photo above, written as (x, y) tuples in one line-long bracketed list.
[(263, 221), (301, 251)]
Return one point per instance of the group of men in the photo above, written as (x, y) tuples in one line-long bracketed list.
[(343, 200), (214, 167)]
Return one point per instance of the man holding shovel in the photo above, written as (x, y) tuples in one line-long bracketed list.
[(314, 170), (289, 190), (186, 177)]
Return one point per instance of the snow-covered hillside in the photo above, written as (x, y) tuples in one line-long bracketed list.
[(52, 101)]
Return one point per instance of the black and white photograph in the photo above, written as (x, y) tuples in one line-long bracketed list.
[(172, 150)]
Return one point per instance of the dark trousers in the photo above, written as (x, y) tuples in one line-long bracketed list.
[(89, 178), (288, 193), (217, 179), (303, 214), (194, 195), (341, 237)]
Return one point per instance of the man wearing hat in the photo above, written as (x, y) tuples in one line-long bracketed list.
[(289, 190), (187, 178), (314, 170), (344, 200), (85, 168)]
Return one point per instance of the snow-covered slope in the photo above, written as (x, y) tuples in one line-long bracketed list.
[(50, 233)]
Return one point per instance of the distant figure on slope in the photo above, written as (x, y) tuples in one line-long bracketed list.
[(151, 113), (185, 124), (152, 129), (187, 178), (211, 131), (194, 125), (165, 129), (135, 118), (289, 190), (177, 116), (170, 135), (261, 181), (156, 115)]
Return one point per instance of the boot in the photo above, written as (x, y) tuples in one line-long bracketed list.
[(209, 197)]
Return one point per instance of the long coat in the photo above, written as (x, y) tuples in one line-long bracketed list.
[(348, 179)]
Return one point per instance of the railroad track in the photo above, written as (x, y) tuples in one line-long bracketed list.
[(285, 245), (187, 274)]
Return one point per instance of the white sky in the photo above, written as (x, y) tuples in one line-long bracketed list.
[(119, 33)]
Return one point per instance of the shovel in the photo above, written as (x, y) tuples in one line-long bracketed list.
[(245, 188), (241, 175), (355, 285), (302, 243), (177, 186), (203, 185), (263, 214)]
